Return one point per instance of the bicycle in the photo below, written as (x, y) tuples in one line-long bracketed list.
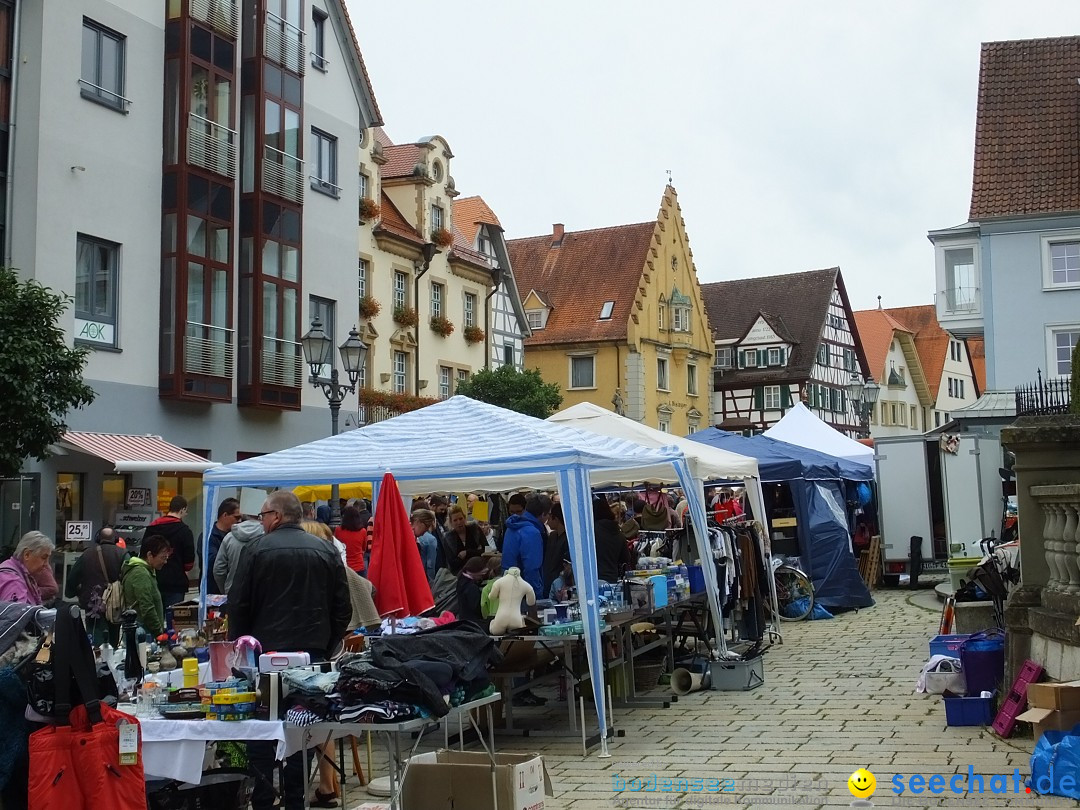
[(794, 591)]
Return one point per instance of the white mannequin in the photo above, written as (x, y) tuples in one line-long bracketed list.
[(510, 589)]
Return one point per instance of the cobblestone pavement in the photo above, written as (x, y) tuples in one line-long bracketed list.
[(838, 695)]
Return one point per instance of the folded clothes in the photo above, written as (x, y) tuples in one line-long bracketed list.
[(383, 711), (299, 716), (309, 682)]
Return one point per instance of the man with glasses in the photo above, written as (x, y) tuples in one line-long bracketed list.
[(291, 593), (228, 515)]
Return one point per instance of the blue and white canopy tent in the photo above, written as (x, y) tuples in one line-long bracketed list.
[(459, 445)]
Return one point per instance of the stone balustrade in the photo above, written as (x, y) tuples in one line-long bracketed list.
[(1060, 505)]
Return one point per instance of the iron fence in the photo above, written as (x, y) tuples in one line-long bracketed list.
[(1043, 397)]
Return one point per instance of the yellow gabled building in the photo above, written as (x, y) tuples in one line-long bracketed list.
[(617, 318)]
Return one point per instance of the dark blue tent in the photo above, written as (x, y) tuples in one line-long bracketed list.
[(819, 491)]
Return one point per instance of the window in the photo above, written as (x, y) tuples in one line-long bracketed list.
[(362, 278), (318, 45), (775, 356), (913, 417), (691, 379), (663, 425), (605, 311), (470, 309), (937, 419), (436, 218), (401, 297), (485, 245), (323, 309), (750, 358), (772, 397), (1061, 261), (444, 382), (401, 372), (462, 376), (660, 316), (680, 319), (324, 163), (508, 354), (535, 318), (1061, 346), (436, 172), (581, 372), (836, 322), (849, 361), (96, 285), (103, 66), (364, 181), (960, 280), (436, 299), (955, 350), (724, 356), (952, 390), (823, 354), (959, 389), (662, 381)]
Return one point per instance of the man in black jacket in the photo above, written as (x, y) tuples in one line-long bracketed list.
[(88, 578), (291, 593), (173, 578)]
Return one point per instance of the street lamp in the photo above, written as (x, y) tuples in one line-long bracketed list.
[(863, 396), (318, 351)]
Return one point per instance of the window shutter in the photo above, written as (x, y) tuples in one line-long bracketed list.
[(759, 398), (783, 357), (843, 402), (742, 359), (785, 396)]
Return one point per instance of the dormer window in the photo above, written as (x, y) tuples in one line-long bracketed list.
[(536, 318), (680, 319), (776, 356), (605, 311)]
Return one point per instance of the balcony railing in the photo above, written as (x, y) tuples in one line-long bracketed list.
[(208, 350), (283, 175), (1043, 397), (221, 15), (1060, 504), (284, 43), (211, 146), (370, 414), (282, 362), (961, 300)]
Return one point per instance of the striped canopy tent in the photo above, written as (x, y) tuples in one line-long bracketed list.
[(462, 445)]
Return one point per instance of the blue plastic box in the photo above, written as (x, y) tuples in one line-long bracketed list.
[(969, 711), (948, 645)]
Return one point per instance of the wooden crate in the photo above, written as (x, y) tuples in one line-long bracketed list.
[(870, 563)]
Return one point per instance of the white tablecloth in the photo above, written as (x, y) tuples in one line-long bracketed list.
[(174, 749)]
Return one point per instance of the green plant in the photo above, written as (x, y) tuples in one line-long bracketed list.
[(369, 307), (521, 391), (42, 376), (441, 325), (443, 238), (406, 316), (1074, 381), (474, 334)]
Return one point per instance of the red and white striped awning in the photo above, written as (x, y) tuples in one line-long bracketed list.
[(136, 453)]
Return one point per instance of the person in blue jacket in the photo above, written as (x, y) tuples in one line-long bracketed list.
[(523, 541)]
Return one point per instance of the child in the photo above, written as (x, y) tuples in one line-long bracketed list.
[(562, 583)]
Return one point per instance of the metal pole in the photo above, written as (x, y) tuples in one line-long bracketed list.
[(335, 394)]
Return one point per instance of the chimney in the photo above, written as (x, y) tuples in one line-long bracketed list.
[(556, 234)]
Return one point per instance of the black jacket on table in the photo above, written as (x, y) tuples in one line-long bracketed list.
[(291, 593), (173, 576), (612, 554)]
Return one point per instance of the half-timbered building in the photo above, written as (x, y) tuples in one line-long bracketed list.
[(781, 340)]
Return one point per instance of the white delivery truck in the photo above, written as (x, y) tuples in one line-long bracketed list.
[(944, 488)]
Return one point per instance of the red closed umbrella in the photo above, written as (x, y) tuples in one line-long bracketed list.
[(397, 572)]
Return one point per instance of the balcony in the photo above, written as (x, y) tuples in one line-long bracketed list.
[(208, 350), (282, 362), (283, 42), (220, 15), (959, 310), (283, 175), (211, 146)]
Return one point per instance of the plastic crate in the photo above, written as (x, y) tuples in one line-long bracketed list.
[(737, 676), (948, 645), (968, 711)]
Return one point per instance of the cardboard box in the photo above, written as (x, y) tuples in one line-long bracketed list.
[(185, 615), (448, 779), (1060, 696), (1043, 720)]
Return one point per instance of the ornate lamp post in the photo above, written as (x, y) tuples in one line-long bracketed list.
[(318, 351), (863, 396)]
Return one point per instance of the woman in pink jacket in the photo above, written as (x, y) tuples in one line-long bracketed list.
[(18, 573)]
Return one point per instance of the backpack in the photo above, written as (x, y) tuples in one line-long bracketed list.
[(112, 598)]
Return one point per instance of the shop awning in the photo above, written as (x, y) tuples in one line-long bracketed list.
[(136, 453)]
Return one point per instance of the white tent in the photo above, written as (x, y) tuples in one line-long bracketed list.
[(706, 463), (460, 444), (800, 427)]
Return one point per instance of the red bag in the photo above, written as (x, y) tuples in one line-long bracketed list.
[(77, 766)]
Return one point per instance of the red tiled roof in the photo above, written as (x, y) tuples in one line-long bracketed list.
[(1027, 132), (579, 275), (400, 160), (462, 249), (976, 348), (393, 221), (382, 138), (931, 340), (876, 330), (470, 213), (360, 58)]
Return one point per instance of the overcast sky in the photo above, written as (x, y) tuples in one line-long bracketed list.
[(800, 135)]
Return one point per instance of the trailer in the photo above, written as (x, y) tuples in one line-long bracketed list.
[(945, 489)]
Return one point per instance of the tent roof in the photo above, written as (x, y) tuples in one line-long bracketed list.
[(708, 463), (456, 444), (774, 463), (800, 427)]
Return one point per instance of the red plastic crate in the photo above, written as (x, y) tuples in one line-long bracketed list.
[(1016, 700)]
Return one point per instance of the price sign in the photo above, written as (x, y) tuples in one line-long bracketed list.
[(137, 496), (78, 531)]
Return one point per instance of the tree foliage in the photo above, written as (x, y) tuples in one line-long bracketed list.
[(1074, 381), (521, 391), (40, 375)]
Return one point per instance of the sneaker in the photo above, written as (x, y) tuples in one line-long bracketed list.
[(527, 699), (540, 699)]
